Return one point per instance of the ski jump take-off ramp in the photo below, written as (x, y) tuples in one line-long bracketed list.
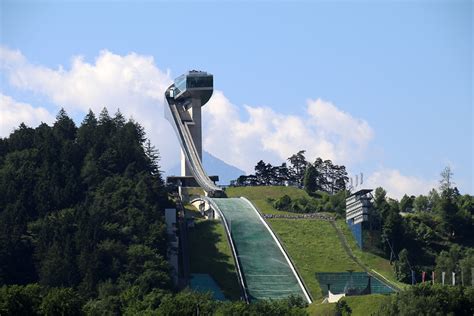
[(264, 269)]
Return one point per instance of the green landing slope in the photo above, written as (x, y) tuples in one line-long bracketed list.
[(265, 269)]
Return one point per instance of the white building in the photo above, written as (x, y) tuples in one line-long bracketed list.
[(357, 206)]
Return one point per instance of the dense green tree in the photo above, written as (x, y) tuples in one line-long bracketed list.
[(465, 266), (298, 166), (263, 172), (447, 208), (75, 204), (406, 203), (392, 231), (153, 157), (433, 198), (328, 177), (292, 306), (446, 183), (187, 303), (87, 133), (283, 203), (402, 267), (448, 261), (380, 199), (20, 300), (21, 138), (61, 301), (343, 309), (427, 299), (119, 119), (310, 177), (64, 128), (283, 174), (421, 204)]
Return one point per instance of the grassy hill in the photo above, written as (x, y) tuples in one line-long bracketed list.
[(360, 305), (262, 196), (210, 253), (314, 246)]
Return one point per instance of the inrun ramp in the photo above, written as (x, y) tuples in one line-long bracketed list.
[(266, 270)]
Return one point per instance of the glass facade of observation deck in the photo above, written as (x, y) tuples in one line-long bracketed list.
[(193, 80), (199, 82)]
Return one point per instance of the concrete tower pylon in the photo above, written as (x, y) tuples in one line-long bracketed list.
[(195, 128)]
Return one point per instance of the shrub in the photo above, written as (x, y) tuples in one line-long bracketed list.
[(61, 301), (284, 203)]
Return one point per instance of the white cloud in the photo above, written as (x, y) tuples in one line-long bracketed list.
[(132, 83), (324, 131), (13, 113), (111, 80), (397, 184), (136, 85)]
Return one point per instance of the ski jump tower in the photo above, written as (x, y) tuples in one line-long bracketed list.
[(184, 98), (198, 86), (263, 268)]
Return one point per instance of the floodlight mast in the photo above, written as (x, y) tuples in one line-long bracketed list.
[(184, 99)]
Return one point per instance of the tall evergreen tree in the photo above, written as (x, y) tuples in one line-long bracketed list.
[(298, 166), (310, 179), (446, 183), (153, 157), (64, 128)]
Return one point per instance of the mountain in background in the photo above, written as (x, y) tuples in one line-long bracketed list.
[(214, 167)]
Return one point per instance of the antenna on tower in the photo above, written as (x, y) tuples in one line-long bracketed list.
[(357, 180), (361, 178)]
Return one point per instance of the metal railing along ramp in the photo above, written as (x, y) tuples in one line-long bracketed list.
[(265, 270)]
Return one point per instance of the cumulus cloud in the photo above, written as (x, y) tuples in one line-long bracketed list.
[(396, 184), (324, 131), (131, 83), (13, 113), (136, 85), (112, 79)]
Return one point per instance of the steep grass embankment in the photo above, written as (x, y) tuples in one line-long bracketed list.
[(313, 247), (210, 253)]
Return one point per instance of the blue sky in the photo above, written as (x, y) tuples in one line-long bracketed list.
[(403, 68)]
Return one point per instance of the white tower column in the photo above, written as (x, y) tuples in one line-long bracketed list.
[(195, 128)]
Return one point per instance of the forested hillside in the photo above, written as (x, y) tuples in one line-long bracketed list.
[(82, 228), (82, 208)]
